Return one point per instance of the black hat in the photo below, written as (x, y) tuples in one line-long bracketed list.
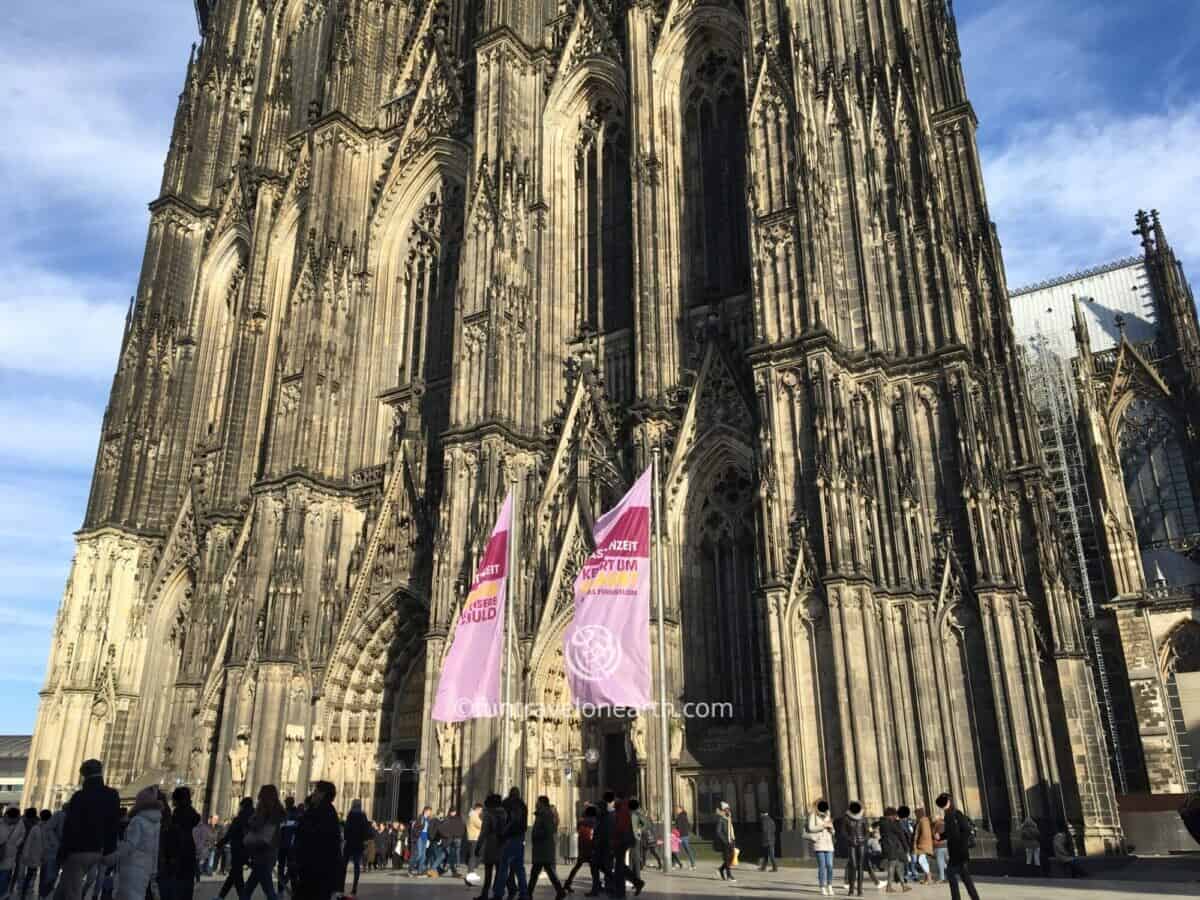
[(91, 768)]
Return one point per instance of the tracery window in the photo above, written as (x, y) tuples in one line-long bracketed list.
[(1156, 479), (604, 223), (716, 231), (725, 648)]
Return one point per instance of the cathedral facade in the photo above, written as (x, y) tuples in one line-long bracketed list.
[(409, 257)]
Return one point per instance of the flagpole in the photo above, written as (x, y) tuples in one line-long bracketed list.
[(664, 738), (505, 742)]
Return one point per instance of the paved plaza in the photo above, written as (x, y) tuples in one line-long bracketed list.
[(1168, 877)]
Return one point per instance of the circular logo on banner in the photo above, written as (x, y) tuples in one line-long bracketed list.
[(593, 652)]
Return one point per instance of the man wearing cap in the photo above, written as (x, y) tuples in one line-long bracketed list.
[(90, 830)]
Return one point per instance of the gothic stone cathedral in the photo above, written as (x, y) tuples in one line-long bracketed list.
[(410, 255)]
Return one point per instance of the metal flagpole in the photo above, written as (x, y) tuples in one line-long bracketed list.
[(505, 742), (664, 738)]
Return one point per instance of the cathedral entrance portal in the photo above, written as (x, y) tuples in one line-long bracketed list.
[(618, 770)]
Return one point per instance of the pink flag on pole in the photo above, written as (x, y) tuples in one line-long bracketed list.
[(469, 687), (607, 644)]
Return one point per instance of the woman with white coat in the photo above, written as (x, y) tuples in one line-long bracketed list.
[(820, 831), (136, 857)]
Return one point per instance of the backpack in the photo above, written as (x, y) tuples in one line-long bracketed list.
[(968, 825)]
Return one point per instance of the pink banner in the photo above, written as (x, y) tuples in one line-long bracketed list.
[(607, 644), (469, 687)]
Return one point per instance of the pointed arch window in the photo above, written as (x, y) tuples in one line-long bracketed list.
[(604, 220), (724, 630), (716, 229), (1156, 479)]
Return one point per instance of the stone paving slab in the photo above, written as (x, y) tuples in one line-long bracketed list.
[(753, 885)]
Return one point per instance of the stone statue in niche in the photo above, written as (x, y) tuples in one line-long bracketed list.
[(239, 759)]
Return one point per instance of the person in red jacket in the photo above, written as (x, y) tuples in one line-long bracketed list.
[(585, 829)]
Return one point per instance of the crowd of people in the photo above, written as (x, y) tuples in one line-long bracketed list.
[(896, 850), (93, 849)]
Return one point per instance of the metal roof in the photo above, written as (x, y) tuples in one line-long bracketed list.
[(15, 746)]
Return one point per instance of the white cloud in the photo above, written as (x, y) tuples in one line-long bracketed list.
[(44, 430), (56, 324), (19, 617), (1063, 194)]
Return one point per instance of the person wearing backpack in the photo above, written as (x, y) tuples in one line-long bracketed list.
[(1031, 841), (585, 830), (959, 833), (260, 841), (232, 839)]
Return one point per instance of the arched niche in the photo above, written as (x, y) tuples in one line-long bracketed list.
[(213, 326), (165, 636)]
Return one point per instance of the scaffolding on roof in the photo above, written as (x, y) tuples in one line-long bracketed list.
[(1051, 384)]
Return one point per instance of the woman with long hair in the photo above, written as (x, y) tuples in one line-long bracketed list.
[(261, 842), (234, 837)]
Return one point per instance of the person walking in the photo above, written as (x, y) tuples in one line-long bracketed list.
[(419, 836), (635, 841), (261, 840), (819, 830), (512, 852), (544, 851), (675, 863), (585, 832), (724, 841), (287, 841), (602, 844), (90, 829), (205, 841), (1031, 841), (12, 835), (30, 860), (354, 835), (233, 840), (960, 835), (471, 840), (317, 862), (895, 849), (52, 828), (684, 827), (136, 856), (182, 862), (491, 840), (923, 843), (767, 829), (451, 832)]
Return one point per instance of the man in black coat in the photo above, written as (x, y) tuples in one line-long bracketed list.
[(91, 829), (895, 847), (957, 831), (602, 841), (768, 842), (317, 862), (179, 846)]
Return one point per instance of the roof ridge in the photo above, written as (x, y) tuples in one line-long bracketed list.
[(1075, 276)]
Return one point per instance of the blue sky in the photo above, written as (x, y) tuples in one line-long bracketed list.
[(1088, 109)]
